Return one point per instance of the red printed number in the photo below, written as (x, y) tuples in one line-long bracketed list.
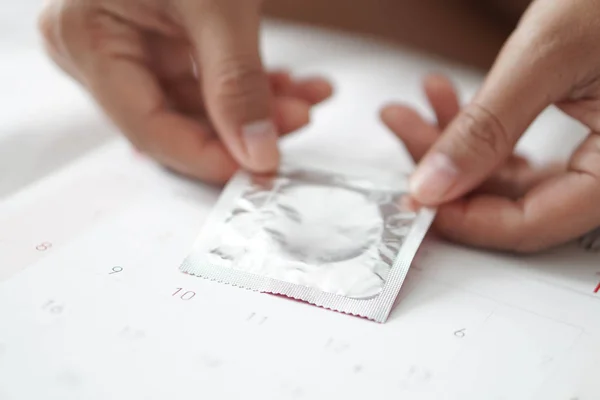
[(43, 246)]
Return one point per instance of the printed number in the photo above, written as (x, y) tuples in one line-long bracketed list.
[(184, 296), (460, 333), (336, 346), (256, 318), (52, 307), (116, 270), (210, 361), (131, 333), (43, 246), (292, 390)]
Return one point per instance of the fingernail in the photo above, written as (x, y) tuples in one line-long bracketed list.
[(261, 145), (433, 178)]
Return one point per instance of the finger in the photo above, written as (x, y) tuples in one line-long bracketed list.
[(280, 80), (169, 58), (443, 99), (512, 180), (554, 212), (517, 177), (312, 90), (178, 141), (585, 111), (171, 61), (483, 135), (135, 101), (183, 95), (417, 134), (132, 97), (291, 114), (189, 148), (235, 85)]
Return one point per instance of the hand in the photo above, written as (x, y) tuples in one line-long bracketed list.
[(518, 207), (551, 58), (182, 79)]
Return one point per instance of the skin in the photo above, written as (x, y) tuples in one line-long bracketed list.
[(551, 58), (184, 81)]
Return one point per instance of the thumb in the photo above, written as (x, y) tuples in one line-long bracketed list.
[(518, 88), (236, 89)]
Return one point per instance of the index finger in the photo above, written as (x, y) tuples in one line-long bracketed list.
[(486, 130), (235, 85), (177, 141)]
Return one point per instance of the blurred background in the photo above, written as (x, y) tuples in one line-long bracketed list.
[(45, 120)]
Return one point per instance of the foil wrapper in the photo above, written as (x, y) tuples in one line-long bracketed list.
[(339, 241)]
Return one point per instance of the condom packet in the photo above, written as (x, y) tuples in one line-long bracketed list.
[(341, 238)]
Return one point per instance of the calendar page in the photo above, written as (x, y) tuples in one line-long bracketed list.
[(93, 305)]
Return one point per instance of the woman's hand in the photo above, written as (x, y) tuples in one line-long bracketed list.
[(517, 207), (553, 57), (183, 79)]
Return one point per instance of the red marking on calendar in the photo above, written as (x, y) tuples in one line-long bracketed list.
[(597, 290)]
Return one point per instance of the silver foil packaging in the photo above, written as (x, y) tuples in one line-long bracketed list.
[(339, 240)]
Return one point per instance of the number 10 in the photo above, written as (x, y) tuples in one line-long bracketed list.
[(185, 296)]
